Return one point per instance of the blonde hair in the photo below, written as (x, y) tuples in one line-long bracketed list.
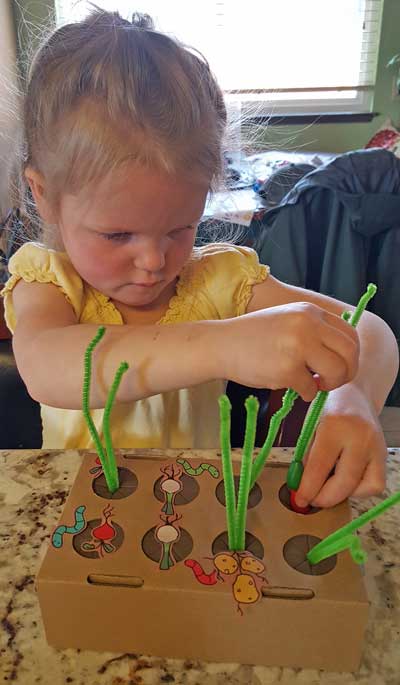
[(105, 91)]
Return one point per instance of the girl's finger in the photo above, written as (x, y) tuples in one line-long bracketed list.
[(345, 346), (318, 464), (304, 384), (341, 325), (349, 473), (373, 481), (331, 368)]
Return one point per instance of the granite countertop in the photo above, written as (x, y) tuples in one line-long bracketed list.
[(33, 488)]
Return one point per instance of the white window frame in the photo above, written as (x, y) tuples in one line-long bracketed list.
[(345, 101), (272, 106)]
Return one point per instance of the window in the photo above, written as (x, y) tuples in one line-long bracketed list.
[(291, 56)]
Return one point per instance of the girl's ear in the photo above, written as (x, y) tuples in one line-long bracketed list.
[(37, 186)]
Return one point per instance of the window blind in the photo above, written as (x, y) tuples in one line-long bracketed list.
[(287, 50)]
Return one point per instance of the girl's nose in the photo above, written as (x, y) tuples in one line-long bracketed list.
[(151, 257)]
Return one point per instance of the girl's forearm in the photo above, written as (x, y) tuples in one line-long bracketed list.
[(378, 365), (160, 358)]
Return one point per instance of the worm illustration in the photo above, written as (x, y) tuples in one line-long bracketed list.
[(203, 578), (212, 470), (57, 537)]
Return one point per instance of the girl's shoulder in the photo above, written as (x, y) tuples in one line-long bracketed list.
[(221, 261), (33, 262), (36, 256), (227, 272), (220, 251)]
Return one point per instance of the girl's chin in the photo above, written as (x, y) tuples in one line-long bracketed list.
[(131, 296), (137, 301)]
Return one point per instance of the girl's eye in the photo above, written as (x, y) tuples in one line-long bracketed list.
[(179, 231), (117, 237)]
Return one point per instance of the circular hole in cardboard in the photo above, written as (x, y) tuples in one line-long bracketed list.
[(255, 494), (128, 483), (153, 548), (252, 544), (284, 498), (87, 545), (189, 492), (295, 554)]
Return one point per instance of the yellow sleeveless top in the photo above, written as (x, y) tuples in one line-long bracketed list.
[(216, 283)]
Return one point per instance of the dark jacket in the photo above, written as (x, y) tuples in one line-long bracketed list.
[(338, 229)]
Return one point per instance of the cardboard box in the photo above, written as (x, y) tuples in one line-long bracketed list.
[(108, 583)]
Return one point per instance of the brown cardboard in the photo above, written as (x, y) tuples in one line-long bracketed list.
[(123, 602)]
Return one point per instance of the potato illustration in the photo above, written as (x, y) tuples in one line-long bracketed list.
[(245, 590), (225, 563), (252, 565)]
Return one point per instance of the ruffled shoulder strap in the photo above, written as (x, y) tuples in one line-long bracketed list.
[(34, 262), (229, 272)]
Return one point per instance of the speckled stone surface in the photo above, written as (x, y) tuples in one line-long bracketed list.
[(33, 489)]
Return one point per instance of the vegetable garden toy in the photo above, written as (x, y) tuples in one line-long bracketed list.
[(149, 569), (192, 554)]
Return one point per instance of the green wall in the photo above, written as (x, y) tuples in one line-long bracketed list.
[(327, 137)]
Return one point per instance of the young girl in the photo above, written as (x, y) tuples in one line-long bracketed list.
[(123, 139)]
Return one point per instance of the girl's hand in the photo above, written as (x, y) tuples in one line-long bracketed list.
[(349, 439), (282, 347)]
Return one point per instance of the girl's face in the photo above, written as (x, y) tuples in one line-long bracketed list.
[(130, 236)]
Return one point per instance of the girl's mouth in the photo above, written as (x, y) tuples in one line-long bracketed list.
[(146, 285)]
